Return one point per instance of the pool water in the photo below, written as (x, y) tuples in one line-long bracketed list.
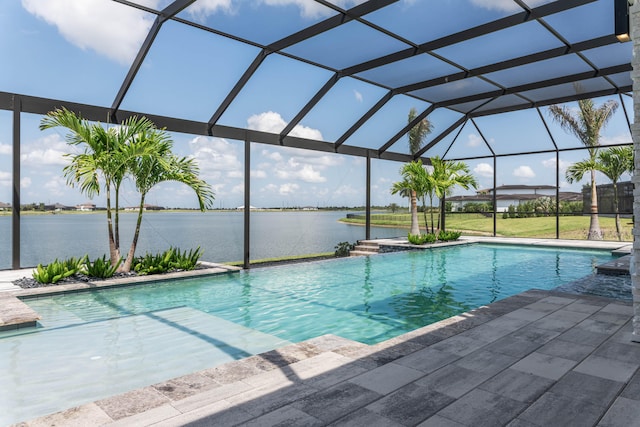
[(95, 344)]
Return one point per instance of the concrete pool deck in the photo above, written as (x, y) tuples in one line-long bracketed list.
[(539, 358)]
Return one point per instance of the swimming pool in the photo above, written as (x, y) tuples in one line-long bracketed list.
[(99, 343)]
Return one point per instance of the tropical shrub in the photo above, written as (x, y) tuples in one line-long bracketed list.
[(449, 235), (58, 270), (343, 249), (186, 260), (101, 268), (421, 239), (171, 259)]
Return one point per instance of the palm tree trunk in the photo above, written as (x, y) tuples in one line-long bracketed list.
[(415, 228), (117, 217), (431, 210), (424, 213), (126, 267), (594, 224), (616, 210), (114, 251)]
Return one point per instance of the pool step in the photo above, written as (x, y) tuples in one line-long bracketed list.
[(15, 314), (365, 247), (618, 266)]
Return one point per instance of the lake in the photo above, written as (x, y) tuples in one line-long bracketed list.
[(218, 233)]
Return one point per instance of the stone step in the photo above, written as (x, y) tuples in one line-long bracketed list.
[(364, 248), (361, 253), (367, 248)]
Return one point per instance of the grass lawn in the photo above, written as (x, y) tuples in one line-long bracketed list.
[(571, 227)]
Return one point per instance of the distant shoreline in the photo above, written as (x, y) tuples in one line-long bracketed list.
[(184, 210)]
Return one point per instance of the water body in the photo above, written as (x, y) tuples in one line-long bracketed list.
[(219, 234)]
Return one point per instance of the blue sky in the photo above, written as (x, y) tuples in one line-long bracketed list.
[(81, 51)]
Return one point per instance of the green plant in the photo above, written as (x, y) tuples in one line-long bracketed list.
[(343, 249), (447, 236), (101, 268), (171, 259), (421, 239), (186, 260), (58, 270)]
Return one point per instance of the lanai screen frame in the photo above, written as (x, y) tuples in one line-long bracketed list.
[(21, 103)]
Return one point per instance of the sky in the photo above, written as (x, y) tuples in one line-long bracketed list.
[(81, 51)]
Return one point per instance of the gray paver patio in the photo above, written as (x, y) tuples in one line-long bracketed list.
[(536, 359)]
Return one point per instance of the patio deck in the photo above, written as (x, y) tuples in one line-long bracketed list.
[(539, 358)]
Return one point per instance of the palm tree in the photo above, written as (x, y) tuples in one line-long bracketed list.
[(102, 164), (417, 135), (413, 186), (586, 124), (447, 175), (157, 165), (614, 162)]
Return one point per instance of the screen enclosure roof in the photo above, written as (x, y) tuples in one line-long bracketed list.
[(329, 75)]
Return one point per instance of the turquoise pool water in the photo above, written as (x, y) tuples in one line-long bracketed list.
[(95, 344)]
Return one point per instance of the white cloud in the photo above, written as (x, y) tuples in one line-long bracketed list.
[(46, 151), (306, 132), (346, 190), (258, 174), (55, 186), (108, 28), (524, 172), (269, 188), (237, 189), (201, 9), (616, 139), (551, 164), (5, 149), (272, 155), (504, 5), (274, 123), (484, 170), (216, 155), (311, 9), (305, 173), (288, 189), (267, 122), (25, 182), (358, 95), (5, 179), (302, 165), (474, 140)]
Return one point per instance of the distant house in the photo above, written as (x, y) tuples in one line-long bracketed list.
[(241, 208), (605, 198), (309, 208), (145, 207), (86, 207), (58, 207), (511, 195), (5, 206)]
